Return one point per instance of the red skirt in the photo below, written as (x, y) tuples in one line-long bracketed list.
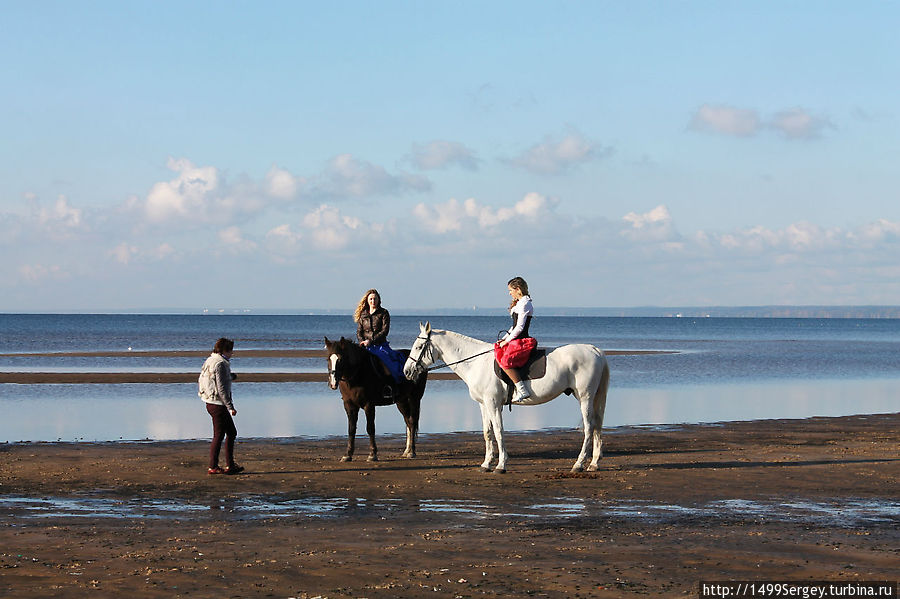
[(515, 353)]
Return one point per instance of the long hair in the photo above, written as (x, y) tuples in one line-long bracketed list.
[(520, 284), (223, 345), (364, 304)]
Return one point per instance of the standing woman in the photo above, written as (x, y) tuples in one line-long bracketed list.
[(373, 323), (215, 391), (515, 346)]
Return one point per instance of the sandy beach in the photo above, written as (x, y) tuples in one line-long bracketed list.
[(812, 499)]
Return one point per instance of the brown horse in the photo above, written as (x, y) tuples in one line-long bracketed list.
[(361, 379)]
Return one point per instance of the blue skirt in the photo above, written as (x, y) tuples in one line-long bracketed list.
[(394, 360)]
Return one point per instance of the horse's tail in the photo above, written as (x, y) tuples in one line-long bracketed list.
[(599, 410), (602, 389)]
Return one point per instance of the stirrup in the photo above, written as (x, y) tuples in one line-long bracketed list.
[(388, 392)]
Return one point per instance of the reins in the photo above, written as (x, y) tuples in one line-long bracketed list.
[(438, 366), (446, 364)]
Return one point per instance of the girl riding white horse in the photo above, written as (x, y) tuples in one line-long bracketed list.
[(580, 369)]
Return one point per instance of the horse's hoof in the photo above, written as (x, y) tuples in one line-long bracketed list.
[(593, 468), (483, 469), (500, 471), (347, 458), (372, 458), (409, 455), (577, 468)]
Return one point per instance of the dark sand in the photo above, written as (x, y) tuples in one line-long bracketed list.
[(436, 526)]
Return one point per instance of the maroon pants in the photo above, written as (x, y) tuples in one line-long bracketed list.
[(223, 428)]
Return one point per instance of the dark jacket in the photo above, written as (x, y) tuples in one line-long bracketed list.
[(374, 327)]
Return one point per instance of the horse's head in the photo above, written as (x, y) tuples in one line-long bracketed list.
[(421, 356), (341, 360)]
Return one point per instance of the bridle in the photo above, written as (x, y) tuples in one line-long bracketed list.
[(420, 366), (334, 373), (336, 369)]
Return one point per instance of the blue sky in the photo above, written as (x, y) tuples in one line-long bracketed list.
[(290, 155)]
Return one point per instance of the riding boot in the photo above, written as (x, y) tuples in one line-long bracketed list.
[(521, 392)]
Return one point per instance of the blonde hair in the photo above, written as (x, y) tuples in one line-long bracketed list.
[(364, 304), (520, 284)]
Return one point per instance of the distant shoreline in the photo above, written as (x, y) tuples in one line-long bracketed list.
[(771, 311)]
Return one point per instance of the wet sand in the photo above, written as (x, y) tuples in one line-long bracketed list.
[(813, 499)]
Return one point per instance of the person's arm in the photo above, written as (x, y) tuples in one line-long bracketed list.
[(223, 385), (522, 309)]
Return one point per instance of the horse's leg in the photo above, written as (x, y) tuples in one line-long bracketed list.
[(370, 429), (405, 407), (599, 411), (585, 400), (486, 427), (496, 415), (412, 427), (352, 414)]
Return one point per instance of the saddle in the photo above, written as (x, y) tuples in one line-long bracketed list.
[(534, 368), (391, 387)]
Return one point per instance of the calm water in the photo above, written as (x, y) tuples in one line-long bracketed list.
[(725, 369)]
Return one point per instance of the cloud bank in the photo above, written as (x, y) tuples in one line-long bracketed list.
[(794, 123), (202, 227)]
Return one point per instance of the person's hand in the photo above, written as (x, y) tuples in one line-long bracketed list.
[(233, 412), (365, 343), (502, 343)]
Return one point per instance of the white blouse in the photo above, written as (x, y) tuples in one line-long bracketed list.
[(523, 309)]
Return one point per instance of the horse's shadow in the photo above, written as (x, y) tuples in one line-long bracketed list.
[(553, 454), (708, 465)]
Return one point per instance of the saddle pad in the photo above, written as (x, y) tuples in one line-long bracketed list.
[(534, 368)]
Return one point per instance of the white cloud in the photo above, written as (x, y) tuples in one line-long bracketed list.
[(59, 222), (797, 237), (185, 196), (62, 214), (469, 215), (349, 177), (726, 120), (232, 238), (876, 232), (123, 253), (328, 229), (554, 156), (201, 195), (283, 241), (282, 184), (655, 225), (442, 154), (795, 123), (163, 251), (324, 229), (37, 272), (798, 124)]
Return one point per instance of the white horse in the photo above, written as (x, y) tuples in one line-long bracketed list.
[(580, 369)]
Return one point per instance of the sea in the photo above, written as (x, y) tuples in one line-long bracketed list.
[(714, 370)]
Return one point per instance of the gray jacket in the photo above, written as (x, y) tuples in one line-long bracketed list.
[(215, 381)]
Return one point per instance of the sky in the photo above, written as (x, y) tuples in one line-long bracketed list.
[(292, 155)]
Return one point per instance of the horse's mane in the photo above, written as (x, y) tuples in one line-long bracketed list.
[(351, 347), (459, 336)]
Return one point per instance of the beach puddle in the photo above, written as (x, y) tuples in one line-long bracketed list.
[(850, 513)]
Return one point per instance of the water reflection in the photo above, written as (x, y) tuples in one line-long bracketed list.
[(844, 513), (173, 411)]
